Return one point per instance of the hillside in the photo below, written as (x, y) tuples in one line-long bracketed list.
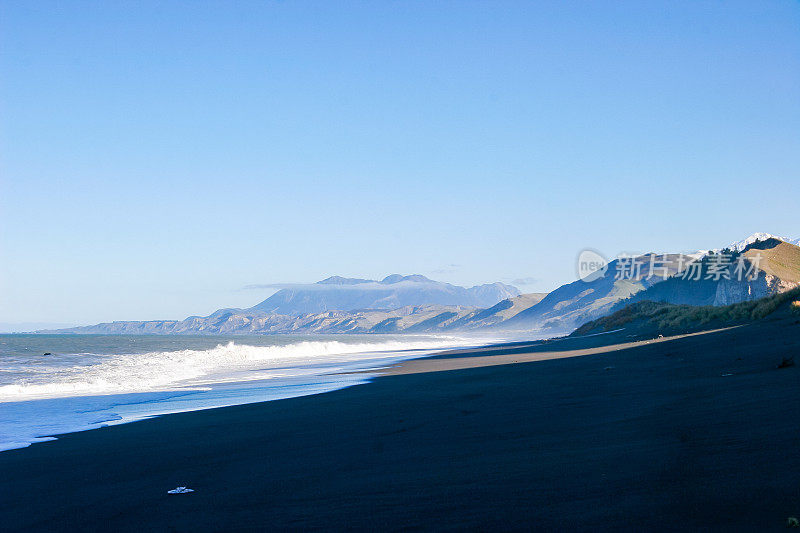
[(499, 313), (574, 303), (778, 259), (652, 318), (691, 282), (778, 271)]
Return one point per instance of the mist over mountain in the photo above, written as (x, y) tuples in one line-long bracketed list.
[(392, 292)]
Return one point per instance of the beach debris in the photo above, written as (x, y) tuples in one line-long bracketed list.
[(787, 362), (792, 522), (180, 490)]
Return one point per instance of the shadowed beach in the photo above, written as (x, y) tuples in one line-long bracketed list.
[(688, 433)]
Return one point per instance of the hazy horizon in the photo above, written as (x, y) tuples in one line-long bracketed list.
[(155, 160)]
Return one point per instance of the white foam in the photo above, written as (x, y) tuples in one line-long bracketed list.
[(159, 371), (44, 397)]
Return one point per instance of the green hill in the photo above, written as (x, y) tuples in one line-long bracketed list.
[(668, 319)]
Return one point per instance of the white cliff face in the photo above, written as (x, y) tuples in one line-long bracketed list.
[(732, 291)]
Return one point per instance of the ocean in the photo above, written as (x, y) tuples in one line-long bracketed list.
[(53, 384)]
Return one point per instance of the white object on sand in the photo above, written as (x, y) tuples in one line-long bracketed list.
[(180, 490)]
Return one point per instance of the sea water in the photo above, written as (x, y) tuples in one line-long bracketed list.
[(90, 381)]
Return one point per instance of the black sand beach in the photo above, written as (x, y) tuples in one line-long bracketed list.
[(693, 433)]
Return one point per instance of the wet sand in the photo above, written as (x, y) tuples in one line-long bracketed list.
[(698, 432)]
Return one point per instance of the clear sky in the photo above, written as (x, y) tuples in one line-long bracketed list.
[(157, 157)]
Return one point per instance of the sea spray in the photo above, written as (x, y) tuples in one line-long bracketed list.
[(231, 361), (78, 387)]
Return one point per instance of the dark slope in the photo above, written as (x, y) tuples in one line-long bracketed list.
[(669, 319)]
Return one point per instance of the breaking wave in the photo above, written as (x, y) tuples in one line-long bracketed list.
[(91, 374)]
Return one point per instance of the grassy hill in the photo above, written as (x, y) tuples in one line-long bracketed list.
[(779, 259), (667, 319)]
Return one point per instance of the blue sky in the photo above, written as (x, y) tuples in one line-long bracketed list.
[(155, 158)]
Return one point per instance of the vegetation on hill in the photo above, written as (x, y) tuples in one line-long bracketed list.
[(665, 317)]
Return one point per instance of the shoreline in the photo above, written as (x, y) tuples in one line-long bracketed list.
[(189, 399), (44, 413), (679, 434)]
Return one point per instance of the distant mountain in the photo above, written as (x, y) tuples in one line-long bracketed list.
[(395, 304), (409, 319), (392, 292)]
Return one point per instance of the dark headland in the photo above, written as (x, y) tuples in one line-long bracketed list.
[(697, 432)]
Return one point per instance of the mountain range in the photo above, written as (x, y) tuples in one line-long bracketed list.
[(416, 304), (392, 292), (395, 304)]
